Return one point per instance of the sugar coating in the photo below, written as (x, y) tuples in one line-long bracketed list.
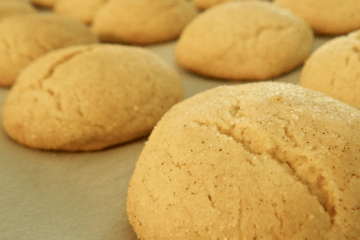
[(11, 7), (142, 21), (89, 97), (23, 38), (82, 10), (253, 161), (333, 17), (334, 69), (244, 40)]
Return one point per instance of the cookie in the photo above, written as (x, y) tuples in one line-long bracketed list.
[(82, 10), (254, 161), (44, 3), (11, 7), (142, 21), (26, 37), (334, 69), (205, 4), (251, 40), (329, 17), (89, 97)]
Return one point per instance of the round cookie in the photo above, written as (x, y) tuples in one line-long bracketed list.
[(82, 10), (251, 40), (44, 3), (331, 17), (89, 97), (205, 4), (26, 37), (334, 69), (12, 7), (253, 161), (142, 21)]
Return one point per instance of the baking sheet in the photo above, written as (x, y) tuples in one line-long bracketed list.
[(48, 195)]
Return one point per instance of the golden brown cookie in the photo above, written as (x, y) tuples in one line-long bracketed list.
[(253, 161), (332, 17), (251, 40), (26, 37), (89, 97), (44, 3), (11, 7), (334, 69), (142, 21), (82, 10)]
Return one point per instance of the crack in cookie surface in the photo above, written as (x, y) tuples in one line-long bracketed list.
[(316, 189)]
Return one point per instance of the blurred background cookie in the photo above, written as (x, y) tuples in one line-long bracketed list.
[(26, 37), (334, 69), (44, 3), (252, 40), (89, 97), (142, 21), (253, 161), (204, 4), (11, 7), (82, 10), (331, 17)]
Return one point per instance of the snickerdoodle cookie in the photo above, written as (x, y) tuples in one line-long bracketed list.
[(11, 7), (89, 97), (332, 17), (334, 69), (142, 21), (251, 40), (26, 37), (82, 10), (252, 161)]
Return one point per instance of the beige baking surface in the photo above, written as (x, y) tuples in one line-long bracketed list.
[(58, 195)]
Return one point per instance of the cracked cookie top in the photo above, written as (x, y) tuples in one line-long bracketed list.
[(254, 161), (89, 97), (142, 21), (244, 40), (23, 38), (334, 69)]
